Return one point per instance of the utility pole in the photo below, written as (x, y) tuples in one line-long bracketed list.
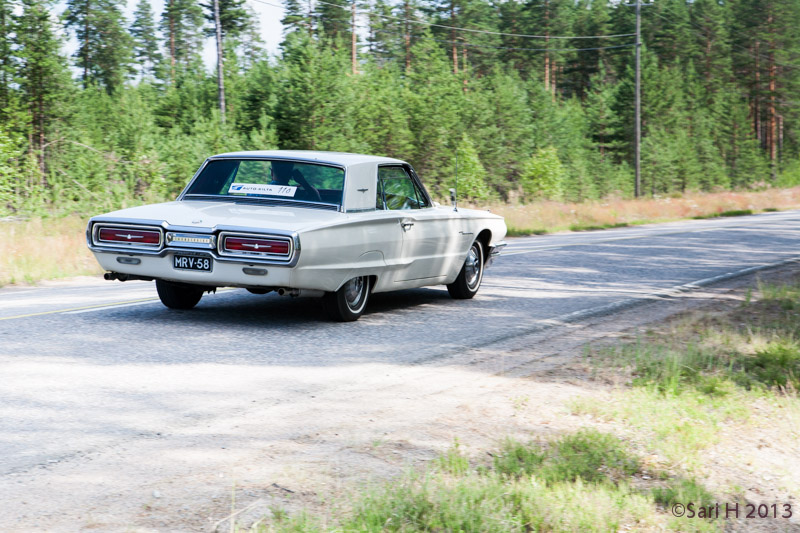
[(637, 105), (220, 77)]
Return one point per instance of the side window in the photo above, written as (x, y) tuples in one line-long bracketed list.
[(399, 191)]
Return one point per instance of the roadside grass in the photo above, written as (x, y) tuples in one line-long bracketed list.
[(576, 482), (548, 217), (698, 380), (706, 372), (36, 249)]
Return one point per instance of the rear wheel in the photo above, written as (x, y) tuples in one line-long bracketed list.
[(348, 303), (469, 279), (177, 296)]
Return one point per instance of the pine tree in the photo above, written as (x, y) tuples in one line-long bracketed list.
[(104, 46), (315, 102), (543, 175), (471, 172), (145, 41), (334, 20), (181, 24), (6, 55), (599, 107), (591, 18), (295, 18), (42, 73)]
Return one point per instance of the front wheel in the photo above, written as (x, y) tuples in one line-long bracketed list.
[(469, 279), (348, 303), (178, 296)]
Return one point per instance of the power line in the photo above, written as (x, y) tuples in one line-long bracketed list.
[(750, 52), (462, 43), (487, 32), (472, 30)]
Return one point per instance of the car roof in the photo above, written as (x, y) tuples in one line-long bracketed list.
[(336, 158)]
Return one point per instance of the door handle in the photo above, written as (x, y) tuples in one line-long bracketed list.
[(406, 225)]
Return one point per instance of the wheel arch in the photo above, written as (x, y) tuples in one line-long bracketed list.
[(485, 237)]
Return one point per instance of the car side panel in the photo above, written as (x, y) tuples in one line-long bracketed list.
[(433, 244)]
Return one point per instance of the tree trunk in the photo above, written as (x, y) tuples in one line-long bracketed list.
[(757, 99), (546, 41), (453, 36), (86, 54), (407, 36), (171, 42), (772, 134), (353, 57), (40, 127), (220, 67)]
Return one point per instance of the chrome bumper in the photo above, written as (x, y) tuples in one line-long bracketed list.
[(494, 251)]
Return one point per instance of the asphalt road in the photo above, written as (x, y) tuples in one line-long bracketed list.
[(90, 363)]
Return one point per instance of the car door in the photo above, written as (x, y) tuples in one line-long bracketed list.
[(430, 236)]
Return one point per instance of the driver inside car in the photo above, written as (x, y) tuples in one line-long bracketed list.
[(283, 172)]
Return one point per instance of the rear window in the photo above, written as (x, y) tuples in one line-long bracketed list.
[(274, 179)]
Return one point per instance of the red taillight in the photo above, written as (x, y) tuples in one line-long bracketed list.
[(265, 246), (128, 236)]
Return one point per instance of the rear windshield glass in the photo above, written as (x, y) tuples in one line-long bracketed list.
[(274, 179)]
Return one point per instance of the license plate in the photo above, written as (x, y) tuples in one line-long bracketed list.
[(188, 262)]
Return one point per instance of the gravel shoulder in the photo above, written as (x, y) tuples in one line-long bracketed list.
[(345, 427)]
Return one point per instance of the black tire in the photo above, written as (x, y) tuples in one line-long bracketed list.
[(348, 303), (469, 279), (178, 296)]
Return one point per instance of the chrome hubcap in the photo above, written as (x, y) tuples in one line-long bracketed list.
[(472, 267), (354, 292)]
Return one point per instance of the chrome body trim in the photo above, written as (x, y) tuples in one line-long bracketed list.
[(495, 250), (162, 251), (249, 255), (94, 237), (191, 240)]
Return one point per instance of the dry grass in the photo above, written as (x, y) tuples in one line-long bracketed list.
[(36, 249), (546, 217)]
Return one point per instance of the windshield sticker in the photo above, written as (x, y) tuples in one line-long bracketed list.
[(258, 188)]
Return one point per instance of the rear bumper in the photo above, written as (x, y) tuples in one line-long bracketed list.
[(224, 273)]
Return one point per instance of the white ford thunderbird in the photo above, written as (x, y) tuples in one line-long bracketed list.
[(334, 225)]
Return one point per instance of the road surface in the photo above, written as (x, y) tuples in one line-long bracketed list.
[(92, 367)]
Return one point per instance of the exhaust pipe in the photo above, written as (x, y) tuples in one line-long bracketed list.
[(111, 276), (295, 293)]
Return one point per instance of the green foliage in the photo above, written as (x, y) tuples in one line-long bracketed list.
[(512, 496), (714, 370), (471, 174), (104, 46), (554, 125), (543, 175), (682, 491), (9, 155), (453, 461), (778, 364), (587, 455), (145, 40)]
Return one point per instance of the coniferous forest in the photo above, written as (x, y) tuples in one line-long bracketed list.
[(536, 97)]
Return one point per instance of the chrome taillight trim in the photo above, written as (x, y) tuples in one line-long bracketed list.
[(287, 257), (96, 241), (191, 240)]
